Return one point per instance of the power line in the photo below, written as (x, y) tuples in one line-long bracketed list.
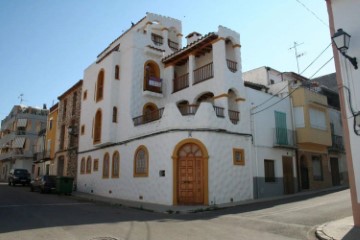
[(316, 58), (321, 67), (315, 15)]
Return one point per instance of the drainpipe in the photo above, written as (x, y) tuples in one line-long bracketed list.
[(252, 121)]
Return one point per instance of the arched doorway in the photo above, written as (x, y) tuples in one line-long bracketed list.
[(190, 160)]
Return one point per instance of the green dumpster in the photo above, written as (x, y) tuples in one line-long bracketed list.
[(64, 185)]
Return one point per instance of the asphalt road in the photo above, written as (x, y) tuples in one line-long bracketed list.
[(27, 215)]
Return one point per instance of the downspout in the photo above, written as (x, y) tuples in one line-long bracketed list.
[(252, 120)]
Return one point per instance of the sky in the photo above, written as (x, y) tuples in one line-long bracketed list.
[(45, 45)]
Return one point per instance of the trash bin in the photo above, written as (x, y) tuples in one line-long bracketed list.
[(64, 185)]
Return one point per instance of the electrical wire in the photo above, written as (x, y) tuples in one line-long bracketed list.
[(315, 15), (321, 67)]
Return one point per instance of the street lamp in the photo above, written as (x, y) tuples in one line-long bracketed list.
[(342, 42)]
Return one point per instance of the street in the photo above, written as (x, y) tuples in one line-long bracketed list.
[(28, 215)]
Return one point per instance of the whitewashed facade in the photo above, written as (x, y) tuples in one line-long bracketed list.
[(176, 118)]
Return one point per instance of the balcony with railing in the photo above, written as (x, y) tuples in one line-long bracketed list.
[(188, 109), (284, 138), (337, 144), (219, 111), (234, 116), (149, 117), (41, 156), (153, 84), (203, 73), (232, 65), (173, 45), (181, 82), (157, 39)]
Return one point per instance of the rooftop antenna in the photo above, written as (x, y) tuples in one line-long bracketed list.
[(297, 55), (21, 98)]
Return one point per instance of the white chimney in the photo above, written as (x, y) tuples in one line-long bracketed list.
[(192, 37)]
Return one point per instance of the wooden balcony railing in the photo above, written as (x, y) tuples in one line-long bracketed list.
[(234, 116), (232, 65), (219, 111), (189, 109), (181, 82), (153, 84), (173, 45), (157, 39), (149, 117), (203, 73)]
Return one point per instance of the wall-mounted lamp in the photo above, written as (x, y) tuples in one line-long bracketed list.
[(72, 130), (342, 42)]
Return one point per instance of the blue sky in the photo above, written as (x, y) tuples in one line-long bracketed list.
[(45, 45)]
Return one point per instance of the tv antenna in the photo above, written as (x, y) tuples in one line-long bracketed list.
[(297, 55), (21, 98)]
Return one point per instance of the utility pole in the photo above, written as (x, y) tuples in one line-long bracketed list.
[(297, 55)]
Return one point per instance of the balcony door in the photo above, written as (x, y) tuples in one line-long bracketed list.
[(281, 128)]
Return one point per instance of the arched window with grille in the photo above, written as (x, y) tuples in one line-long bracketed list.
[(152, 80), (141, 162), (106, 167), (115, 173)]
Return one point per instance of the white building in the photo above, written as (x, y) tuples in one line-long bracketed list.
[(165, 124), (274, 143)]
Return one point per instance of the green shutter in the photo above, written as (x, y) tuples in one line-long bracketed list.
[(280, 128)]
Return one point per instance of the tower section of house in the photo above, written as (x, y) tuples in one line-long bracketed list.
[(166, 124), (67, 131), (274, 143), (19, 133), (45, 147)]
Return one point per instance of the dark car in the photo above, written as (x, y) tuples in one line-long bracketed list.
[(43, 184), (19, 176)]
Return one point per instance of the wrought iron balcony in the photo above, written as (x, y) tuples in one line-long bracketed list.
[(188, 109), (234, 116), (173, 45), (232, 65), (203, 73), (284, 138), (337, 143), (181, 82), (219, 111), (149, 117)]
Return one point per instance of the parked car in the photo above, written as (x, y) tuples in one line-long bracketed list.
[(43, 184), (19, 176)]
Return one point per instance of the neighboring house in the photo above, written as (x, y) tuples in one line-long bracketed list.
[(19, 133), (165, 124), (344, 15), (274, 157), (319, 162), (67, 118), (45, 147)]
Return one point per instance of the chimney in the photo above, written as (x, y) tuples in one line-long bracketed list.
[(192, 37)]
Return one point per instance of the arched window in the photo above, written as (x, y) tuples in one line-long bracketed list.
[(88, 165), (97, 127), (152, 81), (150, 112), (117, 72), (106, 165), (100, 86), (114, 116), (141, 162), (82, 166), (115, 165)]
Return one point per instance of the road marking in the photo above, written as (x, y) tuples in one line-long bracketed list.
[(44, 204)]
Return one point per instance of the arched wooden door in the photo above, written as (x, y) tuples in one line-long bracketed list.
[(190, 175)]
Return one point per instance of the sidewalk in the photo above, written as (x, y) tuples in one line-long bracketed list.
[(342, 229)]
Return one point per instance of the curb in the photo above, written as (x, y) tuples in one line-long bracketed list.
[(320, 233)]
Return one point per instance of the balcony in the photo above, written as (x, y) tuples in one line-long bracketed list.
[(284, 138), (234, 116), (157, 39), (41, 156), (337, 144), (181, 82), (149, 117), (219, 111), (173, 45), (203, 73), (188, 109), (153, 84), (232, 65)]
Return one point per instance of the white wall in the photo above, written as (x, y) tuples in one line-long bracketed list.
[(346, 16)]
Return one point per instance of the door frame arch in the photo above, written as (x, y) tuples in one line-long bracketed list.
[(175, 159)]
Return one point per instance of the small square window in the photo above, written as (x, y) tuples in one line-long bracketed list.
[(238, 156)]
